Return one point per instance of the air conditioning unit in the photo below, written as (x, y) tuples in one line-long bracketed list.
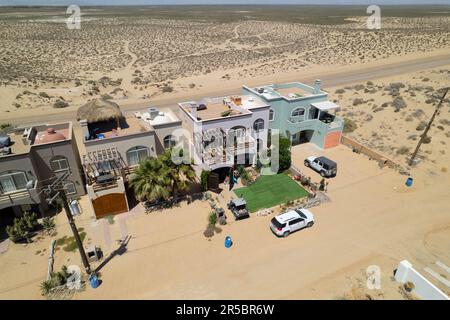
[(26, 135), (153, 112)]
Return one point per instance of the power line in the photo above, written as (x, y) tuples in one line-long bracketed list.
[(424, 134)]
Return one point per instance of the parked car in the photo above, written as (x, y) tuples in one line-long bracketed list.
[(324, 166), (291, 221), (239, 208)]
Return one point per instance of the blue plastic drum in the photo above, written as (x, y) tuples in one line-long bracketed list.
[(228, 242), (93, 280), (409, 182)]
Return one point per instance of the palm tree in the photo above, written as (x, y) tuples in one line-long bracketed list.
[(179, 174), (150, 181)]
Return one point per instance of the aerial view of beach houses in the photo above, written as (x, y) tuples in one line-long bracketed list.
[(204, 151)]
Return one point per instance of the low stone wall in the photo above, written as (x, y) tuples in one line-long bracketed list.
[(358, 147)]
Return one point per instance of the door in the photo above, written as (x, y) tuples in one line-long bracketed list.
[(110, 204), (317, 165), (296, 224)]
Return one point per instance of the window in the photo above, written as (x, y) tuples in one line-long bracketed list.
[(136, 155), (298, 112), (271, 115), (70, 188), (59, 163), (169, 142), (13, 180), (258, 125), (297, 220)]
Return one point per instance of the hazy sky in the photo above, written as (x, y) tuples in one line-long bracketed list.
[(140, 2)]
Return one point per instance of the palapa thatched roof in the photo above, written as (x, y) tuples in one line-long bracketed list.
[(99, 110)]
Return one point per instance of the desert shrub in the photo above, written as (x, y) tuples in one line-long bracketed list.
[(106, 96), (421, 126), (358, 101), (349, 125), (403, 150), (167, 88), (209, 232), (359, 87), (399, 103), (340, 91), (60, 104), (5, 126), (49, 225), (426, 140), (56, 279), (44, 95)]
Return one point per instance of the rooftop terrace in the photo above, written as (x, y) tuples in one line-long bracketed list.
[(287, 91), (142, 121), (221, 107), (22, 139)]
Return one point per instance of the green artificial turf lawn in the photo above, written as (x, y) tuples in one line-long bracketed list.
[(268, 191)]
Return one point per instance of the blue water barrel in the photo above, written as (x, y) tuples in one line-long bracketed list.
[(409, 182), (228, 242), (93, 280)]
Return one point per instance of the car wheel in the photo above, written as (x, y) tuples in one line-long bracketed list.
[(322, 173), (286, 234), (310, 224), (306, 163)]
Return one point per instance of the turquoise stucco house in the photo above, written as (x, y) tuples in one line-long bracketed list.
[(302, 113)]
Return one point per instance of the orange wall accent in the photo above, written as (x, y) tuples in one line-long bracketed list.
[(332, 139)]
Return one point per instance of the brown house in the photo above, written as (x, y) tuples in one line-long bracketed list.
[(31, 158)]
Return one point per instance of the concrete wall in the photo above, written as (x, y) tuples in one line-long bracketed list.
[(423, 288), (162, 131), (42, 154), (368, 152)]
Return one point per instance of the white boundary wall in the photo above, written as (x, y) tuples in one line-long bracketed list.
[(423, 288)]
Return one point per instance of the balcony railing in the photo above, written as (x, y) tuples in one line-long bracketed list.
[(19, 196)]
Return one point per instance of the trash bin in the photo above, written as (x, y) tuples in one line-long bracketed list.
[(228, 242), (93, 280), (409, 182)]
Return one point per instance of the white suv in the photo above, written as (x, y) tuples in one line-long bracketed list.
[(285, 223)]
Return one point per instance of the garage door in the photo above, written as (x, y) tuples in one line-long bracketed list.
[(332, 139), (110, 204)]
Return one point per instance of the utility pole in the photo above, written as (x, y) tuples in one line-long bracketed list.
[(424, 134), (58, 187)]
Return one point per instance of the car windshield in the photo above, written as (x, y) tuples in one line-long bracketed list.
[(277, 223), (301, 213)]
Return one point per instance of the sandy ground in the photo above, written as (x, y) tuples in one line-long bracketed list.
[(373, 219)]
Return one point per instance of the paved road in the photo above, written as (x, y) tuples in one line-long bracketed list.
[(329, 79)]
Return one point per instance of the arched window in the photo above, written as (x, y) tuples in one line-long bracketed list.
[(136, 155), (258, 125), (169, 141), (13, 180), (59, 163), (271, 115), (298, 112)]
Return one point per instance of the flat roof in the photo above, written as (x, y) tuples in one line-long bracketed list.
[(23, 138), (288, 91), (222, 107)]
